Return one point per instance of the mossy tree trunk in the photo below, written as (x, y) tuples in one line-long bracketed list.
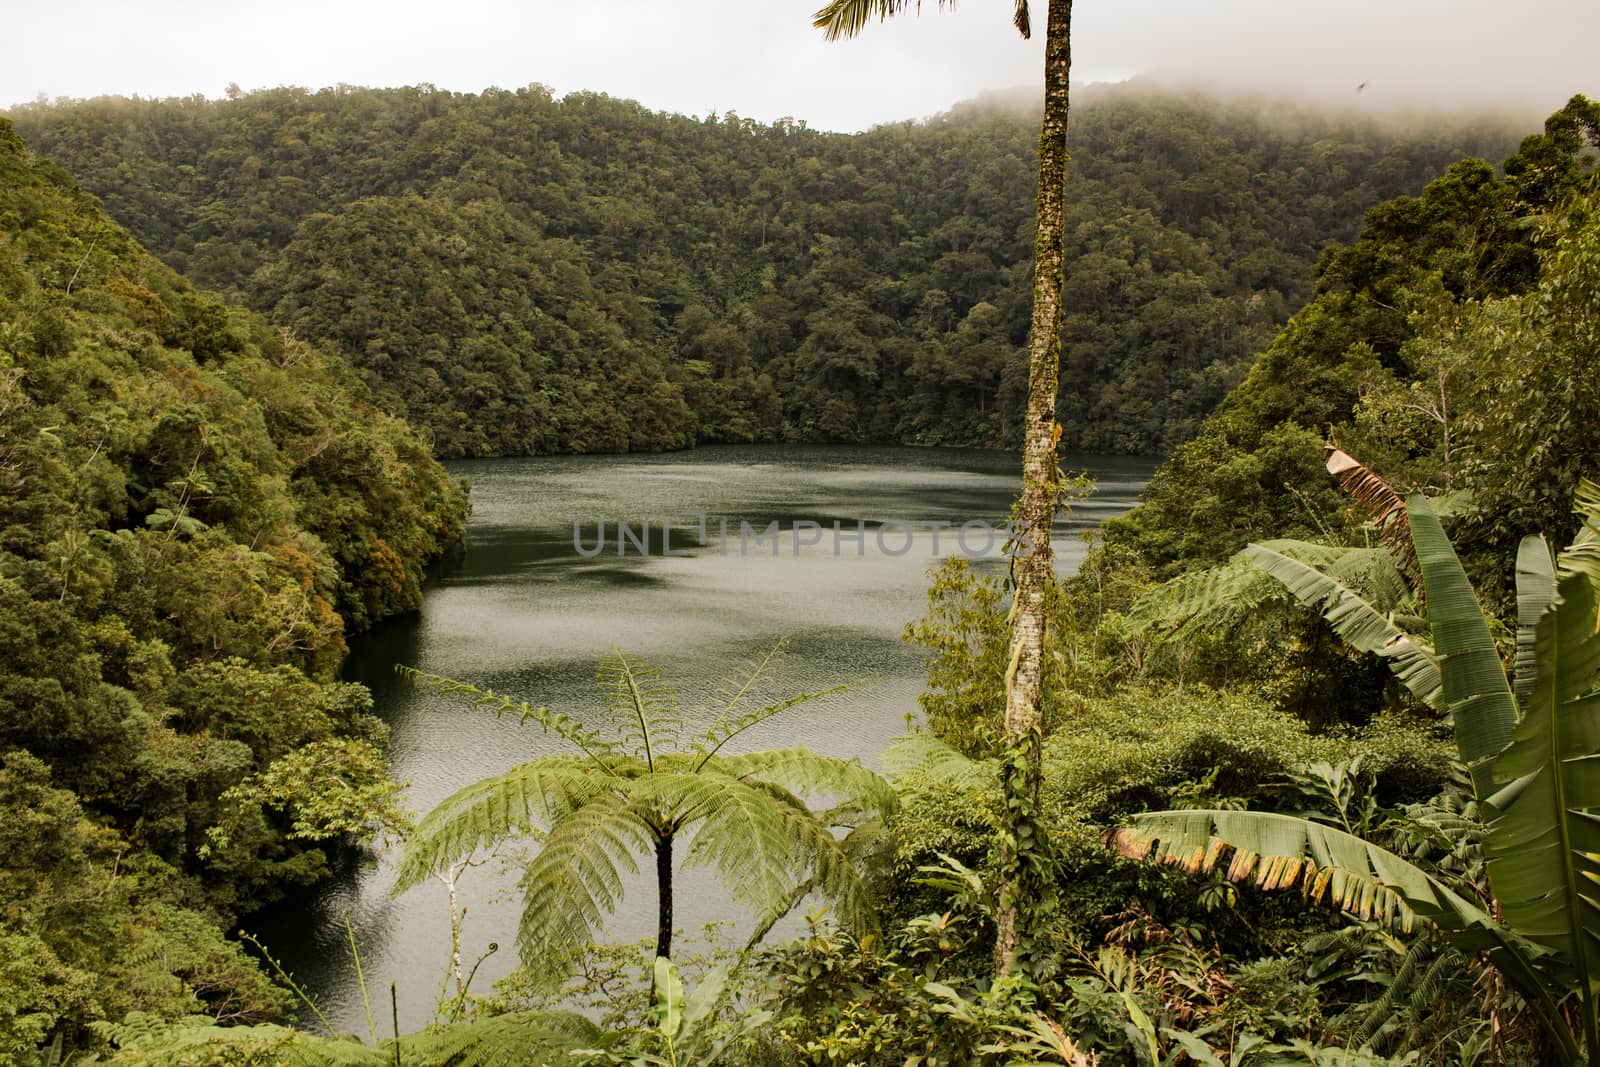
[(1041, 482)]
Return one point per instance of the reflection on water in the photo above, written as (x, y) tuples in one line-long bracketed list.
[(522, 611)]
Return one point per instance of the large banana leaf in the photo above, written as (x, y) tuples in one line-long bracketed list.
[(1285, 852), (1536, 588), (1355, 620), (1476, 692), (1543, 846)]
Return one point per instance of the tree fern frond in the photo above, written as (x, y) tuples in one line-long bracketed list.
[(197, 1039), (1385, 507), (736, 686), (746, 816), (576, 879), (644, 706), (927, 754), (745, 838), (538, 793), (1371, 573), (807, 772), (720, 735), (517, 1038), (1215, 598), (594, 744), (830, 867)]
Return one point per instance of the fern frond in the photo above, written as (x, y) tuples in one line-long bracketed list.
[(643, 705), (1385, 507), (576, 879), (538, 793), (743, 836), (527, 1037), (592, 743), (828, 866), (739, 685), (1215, 598), (806, 772), (927, 754), (720, 735), (1382, 1011), (159, 1043)]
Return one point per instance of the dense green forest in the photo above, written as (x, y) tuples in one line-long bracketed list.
[(1407, 355), (195, 511), (1314, 723), (583, 274)]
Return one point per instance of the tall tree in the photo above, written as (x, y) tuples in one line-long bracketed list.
[(1021, 863)]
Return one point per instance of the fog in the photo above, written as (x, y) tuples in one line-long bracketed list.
[(765, 60)]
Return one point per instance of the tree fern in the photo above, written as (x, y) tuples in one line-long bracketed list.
[(745, 817)]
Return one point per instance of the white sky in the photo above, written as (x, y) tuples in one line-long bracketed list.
[(762, 59)]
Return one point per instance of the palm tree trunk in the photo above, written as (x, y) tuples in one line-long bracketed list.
[(664, 889), (1040, 488)]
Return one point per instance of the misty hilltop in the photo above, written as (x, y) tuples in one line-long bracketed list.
[(525, 274)]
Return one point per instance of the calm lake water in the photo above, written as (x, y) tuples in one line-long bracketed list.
[(528, 610)]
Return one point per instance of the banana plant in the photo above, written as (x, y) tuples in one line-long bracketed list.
[(1531, 744)]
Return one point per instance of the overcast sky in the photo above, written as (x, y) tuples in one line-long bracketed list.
[(762, 59)]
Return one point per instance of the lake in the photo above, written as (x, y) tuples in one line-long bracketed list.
[(532, 604)]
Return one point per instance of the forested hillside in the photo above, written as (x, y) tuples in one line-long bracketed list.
[(195, 511), (1447, 347), (523, 274)]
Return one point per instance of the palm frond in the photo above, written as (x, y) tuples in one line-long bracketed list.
[(1383, 505), (592, 743), (643, 705), (846, 18), (576, 879), (540, 792), (1020, 19), (1356, 620)]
